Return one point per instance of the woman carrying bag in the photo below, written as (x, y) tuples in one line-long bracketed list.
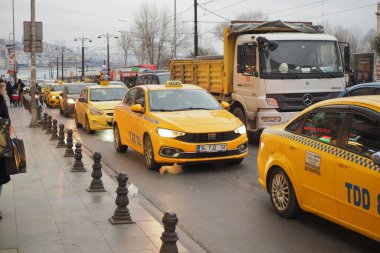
[(4, 177)]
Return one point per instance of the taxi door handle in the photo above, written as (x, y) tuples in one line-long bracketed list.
[(343, 164)]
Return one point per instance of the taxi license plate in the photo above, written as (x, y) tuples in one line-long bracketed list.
[(209, 148)]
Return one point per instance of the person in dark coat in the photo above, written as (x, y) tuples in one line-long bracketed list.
[(20, 87), (4, 177), (10, 92)]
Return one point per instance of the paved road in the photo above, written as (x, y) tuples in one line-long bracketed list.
[(223, 207)]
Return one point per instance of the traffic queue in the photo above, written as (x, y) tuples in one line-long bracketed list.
[(325, 161)]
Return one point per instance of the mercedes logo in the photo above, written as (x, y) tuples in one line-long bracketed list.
[(307, 99)]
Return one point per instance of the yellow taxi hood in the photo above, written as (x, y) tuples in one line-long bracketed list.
[(198, 120), (104, 105), (54, 93)]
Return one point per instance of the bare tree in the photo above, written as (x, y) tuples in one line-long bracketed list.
[(245, 16), (368, 41), (125, 44)]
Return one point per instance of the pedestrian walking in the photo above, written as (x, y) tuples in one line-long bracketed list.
[(20, 88), (3, 90), (4, 177), (9, 88)]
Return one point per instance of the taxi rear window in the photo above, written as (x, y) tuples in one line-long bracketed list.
[(323, 126)]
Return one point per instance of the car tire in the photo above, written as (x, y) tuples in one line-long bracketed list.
[(60, 110), (282, 194), (149, 155), (65, 113), (117, 141), (77, 124), (87, 126)]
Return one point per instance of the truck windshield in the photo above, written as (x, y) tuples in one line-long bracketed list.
[(302, 59)]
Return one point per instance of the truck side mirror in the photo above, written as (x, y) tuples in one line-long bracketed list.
[(239, 59), (347, 56)]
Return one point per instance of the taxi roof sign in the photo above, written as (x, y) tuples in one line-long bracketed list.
[(173, 83), (104, 82)]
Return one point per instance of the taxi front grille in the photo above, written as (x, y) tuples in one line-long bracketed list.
[(208, 137), (210, 155)]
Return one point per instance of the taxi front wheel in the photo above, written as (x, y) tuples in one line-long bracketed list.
[(282, 194), (149, 155), (117, 141), (88, 127)]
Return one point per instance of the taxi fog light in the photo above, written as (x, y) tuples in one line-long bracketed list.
[(240, 130), (271, 119), (271, 101), (94, 111), (169, 133), (243, 146), (170, 152), (70, 101)]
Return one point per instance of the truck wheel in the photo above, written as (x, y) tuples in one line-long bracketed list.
[(117, 141), (149, 155), (239, 113), (282, 195)]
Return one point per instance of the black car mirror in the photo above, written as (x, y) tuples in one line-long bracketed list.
[(82, 100)]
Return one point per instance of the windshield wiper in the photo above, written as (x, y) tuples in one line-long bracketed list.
[(193, 108), (162, 110)]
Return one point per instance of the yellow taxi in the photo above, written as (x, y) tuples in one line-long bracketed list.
[(178, 123), (327, 161), (95, 105), (52, 94)]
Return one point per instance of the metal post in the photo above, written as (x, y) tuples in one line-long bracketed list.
[(195, 29), (33, 122), (62, 63), (82, 59), (108, 55), (175, 31), (14, 42)]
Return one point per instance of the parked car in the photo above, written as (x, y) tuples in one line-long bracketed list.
[(361, 90), (68, 96), (152, 78)]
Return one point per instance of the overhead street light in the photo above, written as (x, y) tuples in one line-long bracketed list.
[(83, 39), (62, 48), (107, 35)]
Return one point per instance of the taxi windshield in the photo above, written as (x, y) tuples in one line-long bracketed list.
[(56, 88), (75, 89), (107, 94), (182, 100)]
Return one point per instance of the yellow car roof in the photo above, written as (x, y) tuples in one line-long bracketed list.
[(104, 86), (373, 101), (164, 87)]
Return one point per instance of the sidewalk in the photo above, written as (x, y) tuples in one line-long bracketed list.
[(49, 210)]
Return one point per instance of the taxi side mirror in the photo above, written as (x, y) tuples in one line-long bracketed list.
[(225, 105), (61, 94), (82, 100), (376, 158), (137, 108)]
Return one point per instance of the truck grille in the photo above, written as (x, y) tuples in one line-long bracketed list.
[(207, 137), (293, 102)]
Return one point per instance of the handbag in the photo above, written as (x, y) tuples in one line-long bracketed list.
[(16, 164), (5, 139)]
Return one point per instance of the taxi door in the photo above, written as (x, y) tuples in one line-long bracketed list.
[(80, 107), (137, 128), (357, 177), (311, 157), (123, 116)]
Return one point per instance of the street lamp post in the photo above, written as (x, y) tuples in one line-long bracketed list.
[(108, 49), (83, 39), (57, 69)]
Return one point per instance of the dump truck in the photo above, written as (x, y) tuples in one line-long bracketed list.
[(270, 71)]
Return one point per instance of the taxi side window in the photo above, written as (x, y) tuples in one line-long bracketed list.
[(140, 98), (323, 126), (295, 126), (130, 96), (364, 136)]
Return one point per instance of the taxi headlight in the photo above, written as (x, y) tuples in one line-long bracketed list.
[(70, 101), (240, 130), (94, 111), (169, 133)]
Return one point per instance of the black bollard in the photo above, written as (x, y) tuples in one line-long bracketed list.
[(169, 237), (78, 164), (69, 144), (44, 121), (61, 137), (121, 215), (96, 183), (54, 135), (48, 125)]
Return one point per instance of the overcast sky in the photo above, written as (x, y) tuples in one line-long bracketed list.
[(64, 20)]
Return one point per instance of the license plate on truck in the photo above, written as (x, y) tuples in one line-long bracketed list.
[(209, 148)]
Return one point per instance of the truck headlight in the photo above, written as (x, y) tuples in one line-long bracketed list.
[(271, 101), (240, 130), (169, 133), (95, 111), (70, 101)]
